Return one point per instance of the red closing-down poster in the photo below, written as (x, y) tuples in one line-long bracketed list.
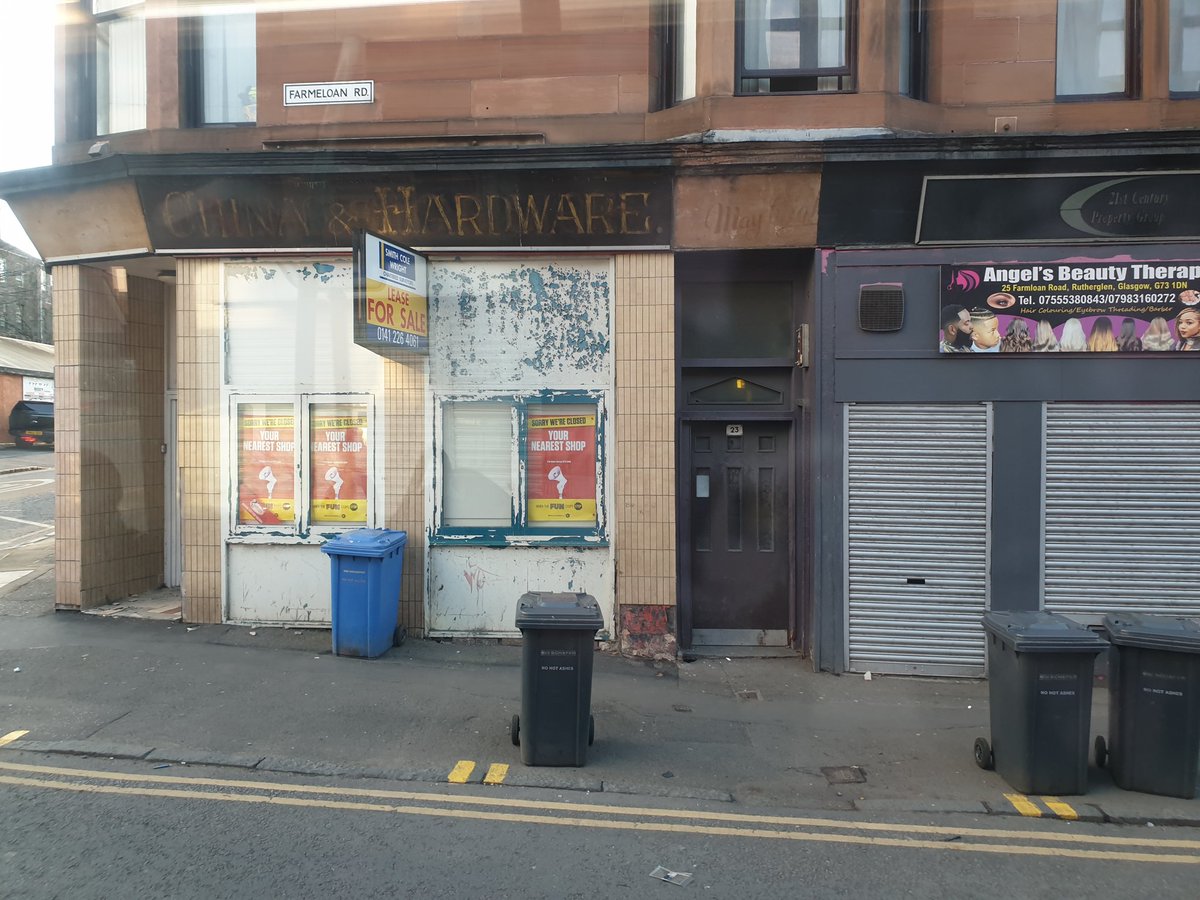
[(561, 469), (266, 464), (338, 454)]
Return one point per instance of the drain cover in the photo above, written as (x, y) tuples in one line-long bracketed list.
[(844, 774), (749, 695)]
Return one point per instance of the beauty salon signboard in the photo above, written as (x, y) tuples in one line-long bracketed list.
[(1071, 307)]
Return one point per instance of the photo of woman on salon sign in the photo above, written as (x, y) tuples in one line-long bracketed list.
[(1187, 329)]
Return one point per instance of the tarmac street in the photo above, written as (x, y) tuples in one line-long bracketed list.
[(760, 736), (133, 828)]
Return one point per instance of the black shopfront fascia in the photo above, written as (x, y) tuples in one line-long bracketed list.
[(1026, 190), (600, 198)]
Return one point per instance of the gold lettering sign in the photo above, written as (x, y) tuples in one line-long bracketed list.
[(281, 211)]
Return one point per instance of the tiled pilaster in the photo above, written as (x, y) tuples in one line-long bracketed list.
[(404, 473), (198, 351), (109, 432), (645, 428)]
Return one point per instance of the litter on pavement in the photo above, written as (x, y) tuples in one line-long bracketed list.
[(679, 878)]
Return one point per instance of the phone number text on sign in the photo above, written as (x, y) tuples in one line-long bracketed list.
[(1068, 299)]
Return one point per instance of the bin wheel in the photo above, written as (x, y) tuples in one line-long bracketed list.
[(515, 730), (1101, 751), (591, 730), (983, 754), (399, 635)]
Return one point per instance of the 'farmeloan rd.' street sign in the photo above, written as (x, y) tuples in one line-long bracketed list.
[(328, 92)]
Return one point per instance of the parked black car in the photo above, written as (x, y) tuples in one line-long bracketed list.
[(31, 423)]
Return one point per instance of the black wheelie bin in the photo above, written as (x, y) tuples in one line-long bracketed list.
[(555, 726), (1040, 668), (1153, 704)]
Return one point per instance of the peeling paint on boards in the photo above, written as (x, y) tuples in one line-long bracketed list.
[(474, 590), (324, 272), (278, 584), (532, 319), (518, 332)]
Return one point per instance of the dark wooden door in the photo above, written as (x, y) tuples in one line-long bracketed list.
[(741, 553)]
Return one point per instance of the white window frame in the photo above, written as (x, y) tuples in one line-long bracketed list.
[(1185, 36), (519, 531), (109, 14), (828, 59), (302, 530)]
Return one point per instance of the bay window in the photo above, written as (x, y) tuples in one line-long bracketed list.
[(678, 41), (914, 49), (120, 65), (220, 69), (1093, 50), (791, 46), (1185, 48)]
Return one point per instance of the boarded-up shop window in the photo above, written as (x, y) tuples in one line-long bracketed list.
[(513, 466), (477, 465), (289, 327)]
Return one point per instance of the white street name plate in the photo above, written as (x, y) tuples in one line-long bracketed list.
[(327, 92)]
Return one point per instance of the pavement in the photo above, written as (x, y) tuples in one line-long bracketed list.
[(751, 732), (756, 732)]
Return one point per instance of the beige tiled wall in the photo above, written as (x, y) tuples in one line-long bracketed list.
[(198, 351), (404, 471), (645, 426), (108, 434)]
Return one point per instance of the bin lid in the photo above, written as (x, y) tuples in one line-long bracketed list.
[(545, 609), (1156, 632), (1037, 631), (370, 542)]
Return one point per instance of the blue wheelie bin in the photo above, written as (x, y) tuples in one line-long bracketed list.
[(365, 569)]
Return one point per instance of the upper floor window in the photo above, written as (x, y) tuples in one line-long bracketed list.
[(1093, 49), (220, 69), (120, 65), (792, 46), (678, 40), (914, 49), (1185, 48)]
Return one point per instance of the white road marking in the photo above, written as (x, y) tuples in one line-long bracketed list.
[(10, 577), (24, 522)]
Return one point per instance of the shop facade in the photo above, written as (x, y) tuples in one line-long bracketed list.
[(712, 394), (1049, 465), (526, 446)]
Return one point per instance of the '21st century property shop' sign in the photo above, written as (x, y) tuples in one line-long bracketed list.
[(391, 305)]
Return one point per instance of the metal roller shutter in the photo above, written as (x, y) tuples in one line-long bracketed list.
[(917, 514), (1122, 509)]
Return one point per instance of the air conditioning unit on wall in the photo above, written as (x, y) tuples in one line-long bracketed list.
[(881, 307)]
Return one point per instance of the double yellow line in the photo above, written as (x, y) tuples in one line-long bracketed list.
[(1110, 848)]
